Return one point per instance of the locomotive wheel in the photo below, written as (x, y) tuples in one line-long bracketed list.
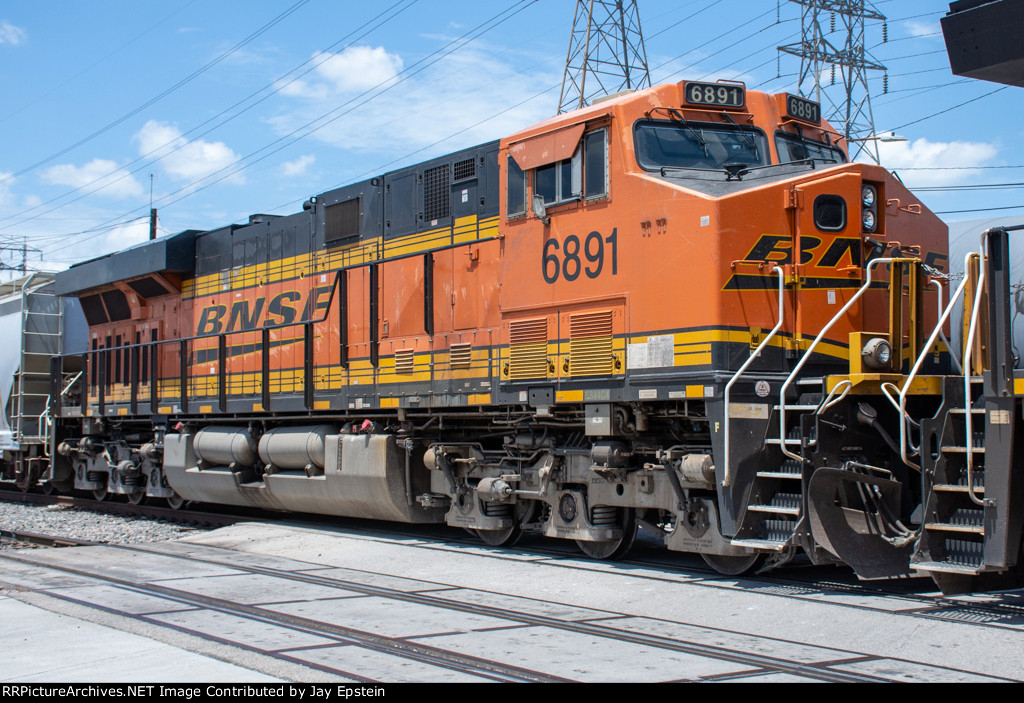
[(137, 497), (49, 489), (501, 538), (99, 494), (510, 535), (175, 502), (734, 566), (613, 549)]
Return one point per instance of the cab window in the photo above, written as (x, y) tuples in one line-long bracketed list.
[(794, 147), (516, 195)]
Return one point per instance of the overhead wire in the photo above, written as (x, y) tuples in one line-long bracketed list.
[(325, 119), (160, 96), (274, 87)]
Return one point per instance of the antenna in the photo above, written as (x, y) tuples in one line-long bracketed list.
[(842, 47), (606, 53)]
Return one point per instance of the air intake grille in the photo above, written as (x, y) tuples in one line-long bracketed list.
[(590, 344), (465, 170), (405, 361), (461, 355), (528, 350), (436, 193)]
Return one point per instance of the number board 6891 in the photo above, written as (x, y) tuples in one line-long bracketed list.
[(715, 94)]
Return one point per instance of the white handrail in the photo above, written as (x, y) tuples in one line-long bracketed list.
[(920, 360), (968, 352), (870, 267), (757, 352)]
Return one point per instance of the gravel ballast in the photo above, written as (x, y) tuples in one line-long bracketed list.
[(65, 521)]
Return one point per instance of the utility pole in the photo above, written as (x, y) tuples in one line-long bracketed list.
[(606, 53), (152, 211), (833, 38)]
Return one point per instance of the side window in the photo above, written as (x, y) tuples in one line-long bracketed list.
[(595, 147), (561, 181), (516, 189)]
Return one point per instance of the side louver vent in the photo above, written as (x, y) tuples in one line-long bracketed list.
[(461, 355), (528, 349), (405, 361), (590, 344)]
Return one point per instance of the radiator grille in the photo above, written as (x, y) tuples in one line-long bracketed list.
[(461, 355), (528, 349), (405, 361), (436, 193), (590, 344)]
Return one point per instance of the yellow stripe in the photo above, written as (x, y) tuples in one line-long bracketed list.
[(325, 261), (569, 396), (695, 391), (389, 402), (479, 398)]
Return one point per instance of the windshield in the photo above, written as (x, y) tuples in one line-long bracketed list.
[(700, 145), (792, 148)]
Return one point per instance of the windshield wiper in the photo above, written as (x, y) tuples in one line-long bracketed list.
[(747, 139), (695, 134)]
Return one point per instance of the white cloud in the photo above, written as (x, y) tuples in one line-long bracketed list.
[(183, 159), (299, 166), (354, 70), (922, 153), (125, 236), (100, 176), (358, 68), (917, 28), (9, 34), (468, 94)]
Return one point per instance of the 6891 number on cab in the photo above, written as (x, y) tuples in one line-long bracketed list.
[(571, 257)]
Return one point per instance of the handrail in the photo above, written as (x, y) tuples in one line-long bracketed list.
[(92, 354), (757, 352), (49, 423), (942, 335), (968, 352), (869, 268), (953, 299), (72, 382)]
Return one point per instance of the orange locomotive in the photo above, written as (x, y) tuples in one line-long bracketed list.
[(679, 308)]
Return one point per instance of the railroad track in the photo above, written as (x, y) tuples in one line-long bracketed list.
[(794, 582), (753, 663)]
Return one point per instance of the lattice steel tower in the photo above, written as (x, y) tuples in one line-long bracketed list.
[(833, 37), (606, 53)]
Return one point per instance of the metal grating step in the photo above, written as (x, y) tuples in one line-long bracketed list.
[(962, 520), (782, 504)]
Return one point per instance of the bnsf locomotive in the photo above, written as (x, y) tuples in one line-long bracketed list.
[(680, 308)]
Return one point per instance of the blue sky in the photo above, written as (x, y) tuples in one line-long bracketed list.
[(244, 107)]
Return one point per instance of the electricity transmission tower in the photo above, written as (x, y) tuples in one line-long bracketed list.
[(833, 38), (606, 53)]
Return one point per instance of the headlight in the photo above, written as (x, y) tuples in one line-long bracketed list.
[(867, 195), (877, 354), (868, 220)]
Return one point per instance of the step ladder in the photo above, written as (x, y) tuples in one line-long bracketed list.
[(775, 505)]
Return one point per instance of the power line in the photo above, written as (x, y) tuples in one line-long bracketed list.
[(85, 70), (277, 85), (188, 79), (336, 114)]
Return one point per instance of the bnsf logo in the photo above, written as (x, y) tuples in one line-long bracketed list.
[(844, 251), (251, 314)]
